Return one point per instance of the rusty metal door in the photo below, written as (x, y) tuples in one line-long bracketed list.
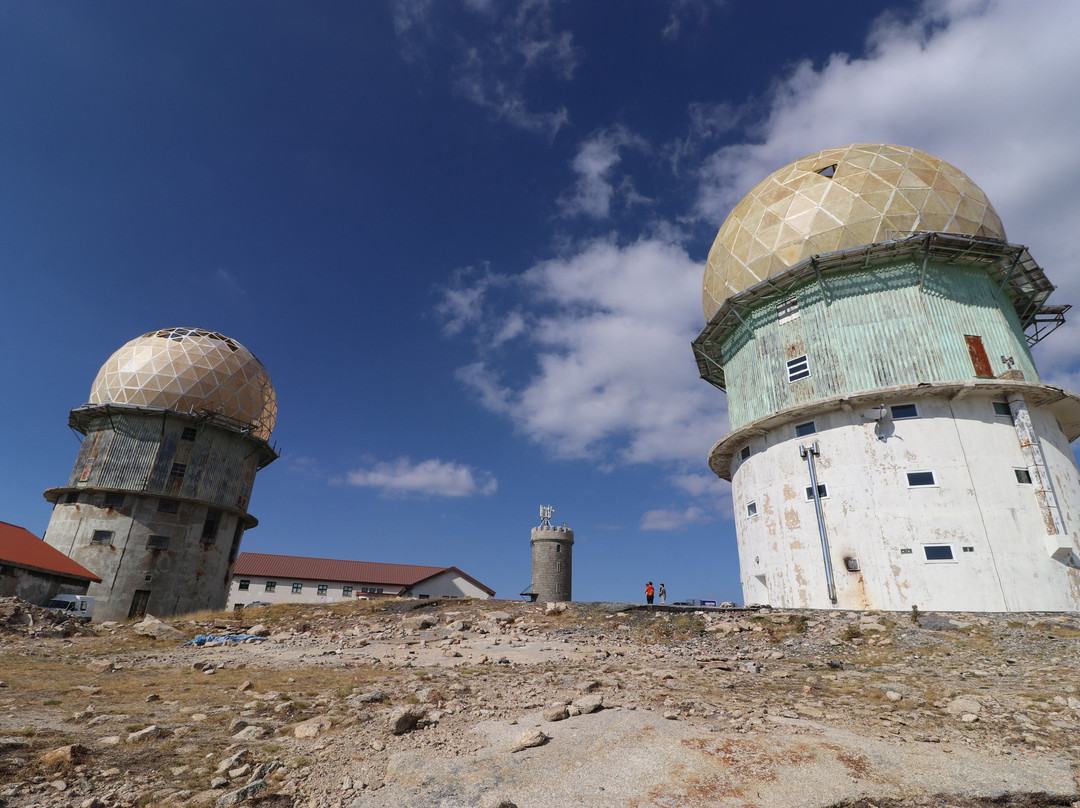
[(979, 360)]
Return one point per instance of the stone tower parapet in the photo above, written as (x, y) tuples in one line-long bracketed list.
[(552, 562)]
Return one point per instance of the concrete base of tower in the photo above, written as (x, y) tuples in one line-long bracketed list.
[(155, 556), (946, 497)]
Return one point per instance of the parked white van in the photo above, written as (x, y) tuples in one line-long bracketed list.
[(81, 607)]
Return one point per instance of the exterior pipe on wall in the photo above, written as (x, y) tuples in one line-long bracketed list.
[(808, 455)]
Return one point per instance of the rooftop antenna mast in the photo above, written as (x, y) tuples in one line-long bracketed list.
[(546, 512)]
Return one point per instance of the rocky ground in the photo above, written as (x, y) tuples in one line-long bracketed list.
[(469, 703)]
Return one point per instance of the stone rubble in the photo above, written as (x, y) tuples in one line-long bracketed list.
[(332, 706)]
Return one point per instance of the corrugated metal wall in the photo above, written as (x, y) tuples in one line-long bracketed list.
[(137, 452), (867, 329)]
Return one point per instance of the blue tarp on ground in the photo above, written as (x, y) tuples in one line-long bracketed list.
[(203, 639)]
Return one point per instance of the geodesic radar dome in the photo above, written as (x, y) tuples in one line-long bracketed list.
[(836, 199), (190, 370)]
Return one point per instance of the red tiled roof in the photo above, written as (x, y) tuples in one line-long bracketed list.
[(21, 547), (338, 570)]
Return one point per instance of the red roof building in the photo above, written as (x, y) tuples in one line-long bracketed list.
[(267, 578), (36, 572)]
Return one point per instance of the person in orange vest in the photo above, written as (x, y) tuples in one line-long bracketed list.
[(649, 592)]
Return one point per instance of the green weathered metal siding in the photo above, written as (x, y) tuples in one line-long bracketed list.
[(870, 328)]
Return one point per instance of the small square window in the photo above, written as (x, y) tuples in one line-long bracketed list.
[(189, 433), (968, 549), (809, 428), (322, 589), (1023, 476), (297, 589), (905, 551), (920, 479), (851, 564), (751, 509), (270, 586), (745, 453), (788, 310), (244, 585), (938, 552), (102, 537), (378, 591), (1002, 409), (114, 500), (821, 491), (904, 411), (798, 368), (168, 505), (157, 542), (178, 470), (346, 591), (423, 597)]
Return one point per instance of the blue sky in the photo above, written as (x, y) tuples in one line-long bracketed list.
[(467, 239)]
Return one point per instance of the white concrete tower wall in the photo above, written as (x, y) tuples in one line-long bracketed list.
[(943, 514)]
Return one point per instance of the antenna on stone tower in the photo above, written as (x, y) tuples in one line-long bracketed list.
[(546, 512)]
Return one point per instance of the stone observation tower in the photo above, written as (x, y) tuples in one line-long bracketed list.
[(552, 559), (891, 444), (177, 425)]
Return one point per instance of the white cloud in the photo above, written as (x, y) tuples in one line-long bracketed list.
[(594, 165), (673, 520), (609, 329), (492, 70), (433, 477), (700, 485)]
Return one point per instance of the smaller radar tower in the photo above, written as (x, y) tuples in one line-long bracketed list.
[(552, 559)]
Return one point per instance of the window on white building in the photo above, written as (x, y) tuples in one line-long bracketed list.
[(271, 586), (938, 552), (798, 368), (821, 491), (157, 542), (745, 453), (904, 411), (801, 430), (751, 509), (323, 588), (921, 479), (244, 585), (346, 591), (1002, 409), (102, 537), (297, 589), (1023, 476)]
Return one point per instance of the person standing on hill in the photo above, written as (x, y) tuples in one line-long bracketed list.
[(663, 595), (649, 592)]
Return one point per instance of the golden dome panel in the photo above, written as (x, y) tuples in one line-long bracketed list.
[(190, 370), (837, 199)]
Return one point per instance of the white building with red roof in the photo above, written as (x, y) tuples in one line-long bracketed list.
[(32, 570), (267, 578)]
